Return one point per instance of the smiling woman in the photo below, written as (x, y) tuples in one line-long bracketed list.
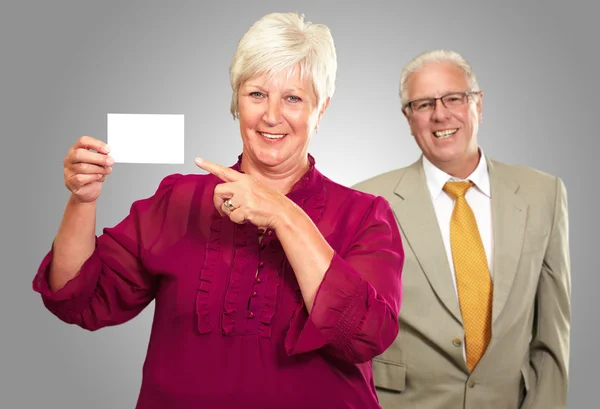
[(274, 286), (278, 114)]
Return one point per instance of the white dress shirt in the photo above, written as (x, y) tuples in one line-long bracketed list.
[(479, 199)]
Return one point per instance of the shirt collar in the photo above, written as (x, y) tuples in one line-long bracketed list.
[(437, 178)]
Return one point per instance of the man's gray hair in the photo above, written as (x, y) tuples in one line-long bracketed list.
[(435, 56)]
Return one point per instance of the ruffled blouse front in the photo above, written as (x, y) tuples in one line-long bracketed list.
[(230, 328)]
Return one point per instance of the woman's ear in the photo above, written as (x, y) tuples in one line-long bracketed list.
[(321, 112)]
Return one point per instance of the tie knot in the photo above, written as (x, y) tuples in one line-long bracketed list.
[(457, 189)]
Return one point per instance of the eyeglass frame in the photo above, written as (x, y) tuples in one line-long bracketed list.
[(466, 93)]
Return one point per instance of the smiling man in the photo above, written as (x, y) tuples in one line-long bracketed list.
[(486, 310)]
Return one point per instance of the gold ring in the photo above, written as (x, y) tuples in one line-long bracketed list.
[(228, 205)]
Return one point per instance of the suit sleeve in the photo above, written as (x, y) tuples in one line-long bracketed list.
[(549, 350), (355, 312)]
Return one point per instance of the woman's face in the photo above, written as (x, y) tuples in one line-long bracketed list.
[(277, 115)]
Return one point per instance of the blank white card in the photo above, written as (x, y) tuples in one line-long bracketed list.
[(146, 138)]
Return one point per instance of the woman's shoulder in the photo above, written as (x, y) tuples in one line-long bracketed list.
[(180, 181), (351, 210), (350, 197), (178, 187), (348, 192)]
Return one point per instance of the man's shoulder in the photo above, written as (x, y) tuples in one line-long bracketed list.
[(525, 176), (382, 184)]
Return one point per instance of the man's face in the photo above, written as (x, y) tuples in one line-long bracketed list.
[(446, 136)]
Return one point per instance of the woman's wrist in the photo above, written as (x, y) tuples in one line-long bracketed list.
[(289, 216)]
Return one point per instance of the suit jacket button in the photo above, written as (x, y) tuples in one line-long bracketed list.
[(456, 342), (471, 384)]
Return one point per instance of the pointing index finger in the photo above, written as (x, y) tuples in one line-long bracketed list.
[(223, 173)]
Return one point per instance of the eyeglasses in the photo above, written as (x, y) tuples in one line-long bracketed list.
[(450, 101)]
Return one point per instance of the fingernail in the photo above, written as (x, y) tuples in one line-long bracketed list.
[(110, 161), (198, 160), (106, 148)]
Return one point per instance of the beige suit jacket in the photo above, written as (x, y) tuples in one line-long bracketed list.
[(526, 363)]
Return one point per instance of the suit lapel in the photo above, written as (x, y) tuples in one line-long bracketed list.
[(418, 221), (509, 216)]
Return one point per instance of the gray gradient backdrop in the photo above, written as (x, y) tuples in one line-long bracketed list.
[(65, 64)]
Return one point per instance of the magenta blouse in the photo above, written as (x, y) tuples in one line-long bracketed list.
[(230, 329)]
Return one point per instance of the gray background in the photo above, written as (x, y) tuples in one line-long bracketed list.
[(64, 65)]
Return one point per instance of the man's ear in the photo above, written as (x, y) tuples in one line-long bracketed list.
[(480, 107), (404, 112)]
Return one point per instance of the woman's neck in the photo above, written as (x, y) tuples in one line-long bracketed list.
[(281, 178)]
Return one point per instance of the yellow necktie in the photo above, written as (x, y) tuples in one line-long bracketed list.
[(472, 274)]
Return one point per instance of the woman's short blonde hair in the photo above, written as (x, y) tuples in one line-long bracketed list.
[(281, 41)]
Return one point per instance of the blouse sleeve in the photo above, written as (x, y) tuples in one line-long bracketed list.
[(112, 285), (355, 312)]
